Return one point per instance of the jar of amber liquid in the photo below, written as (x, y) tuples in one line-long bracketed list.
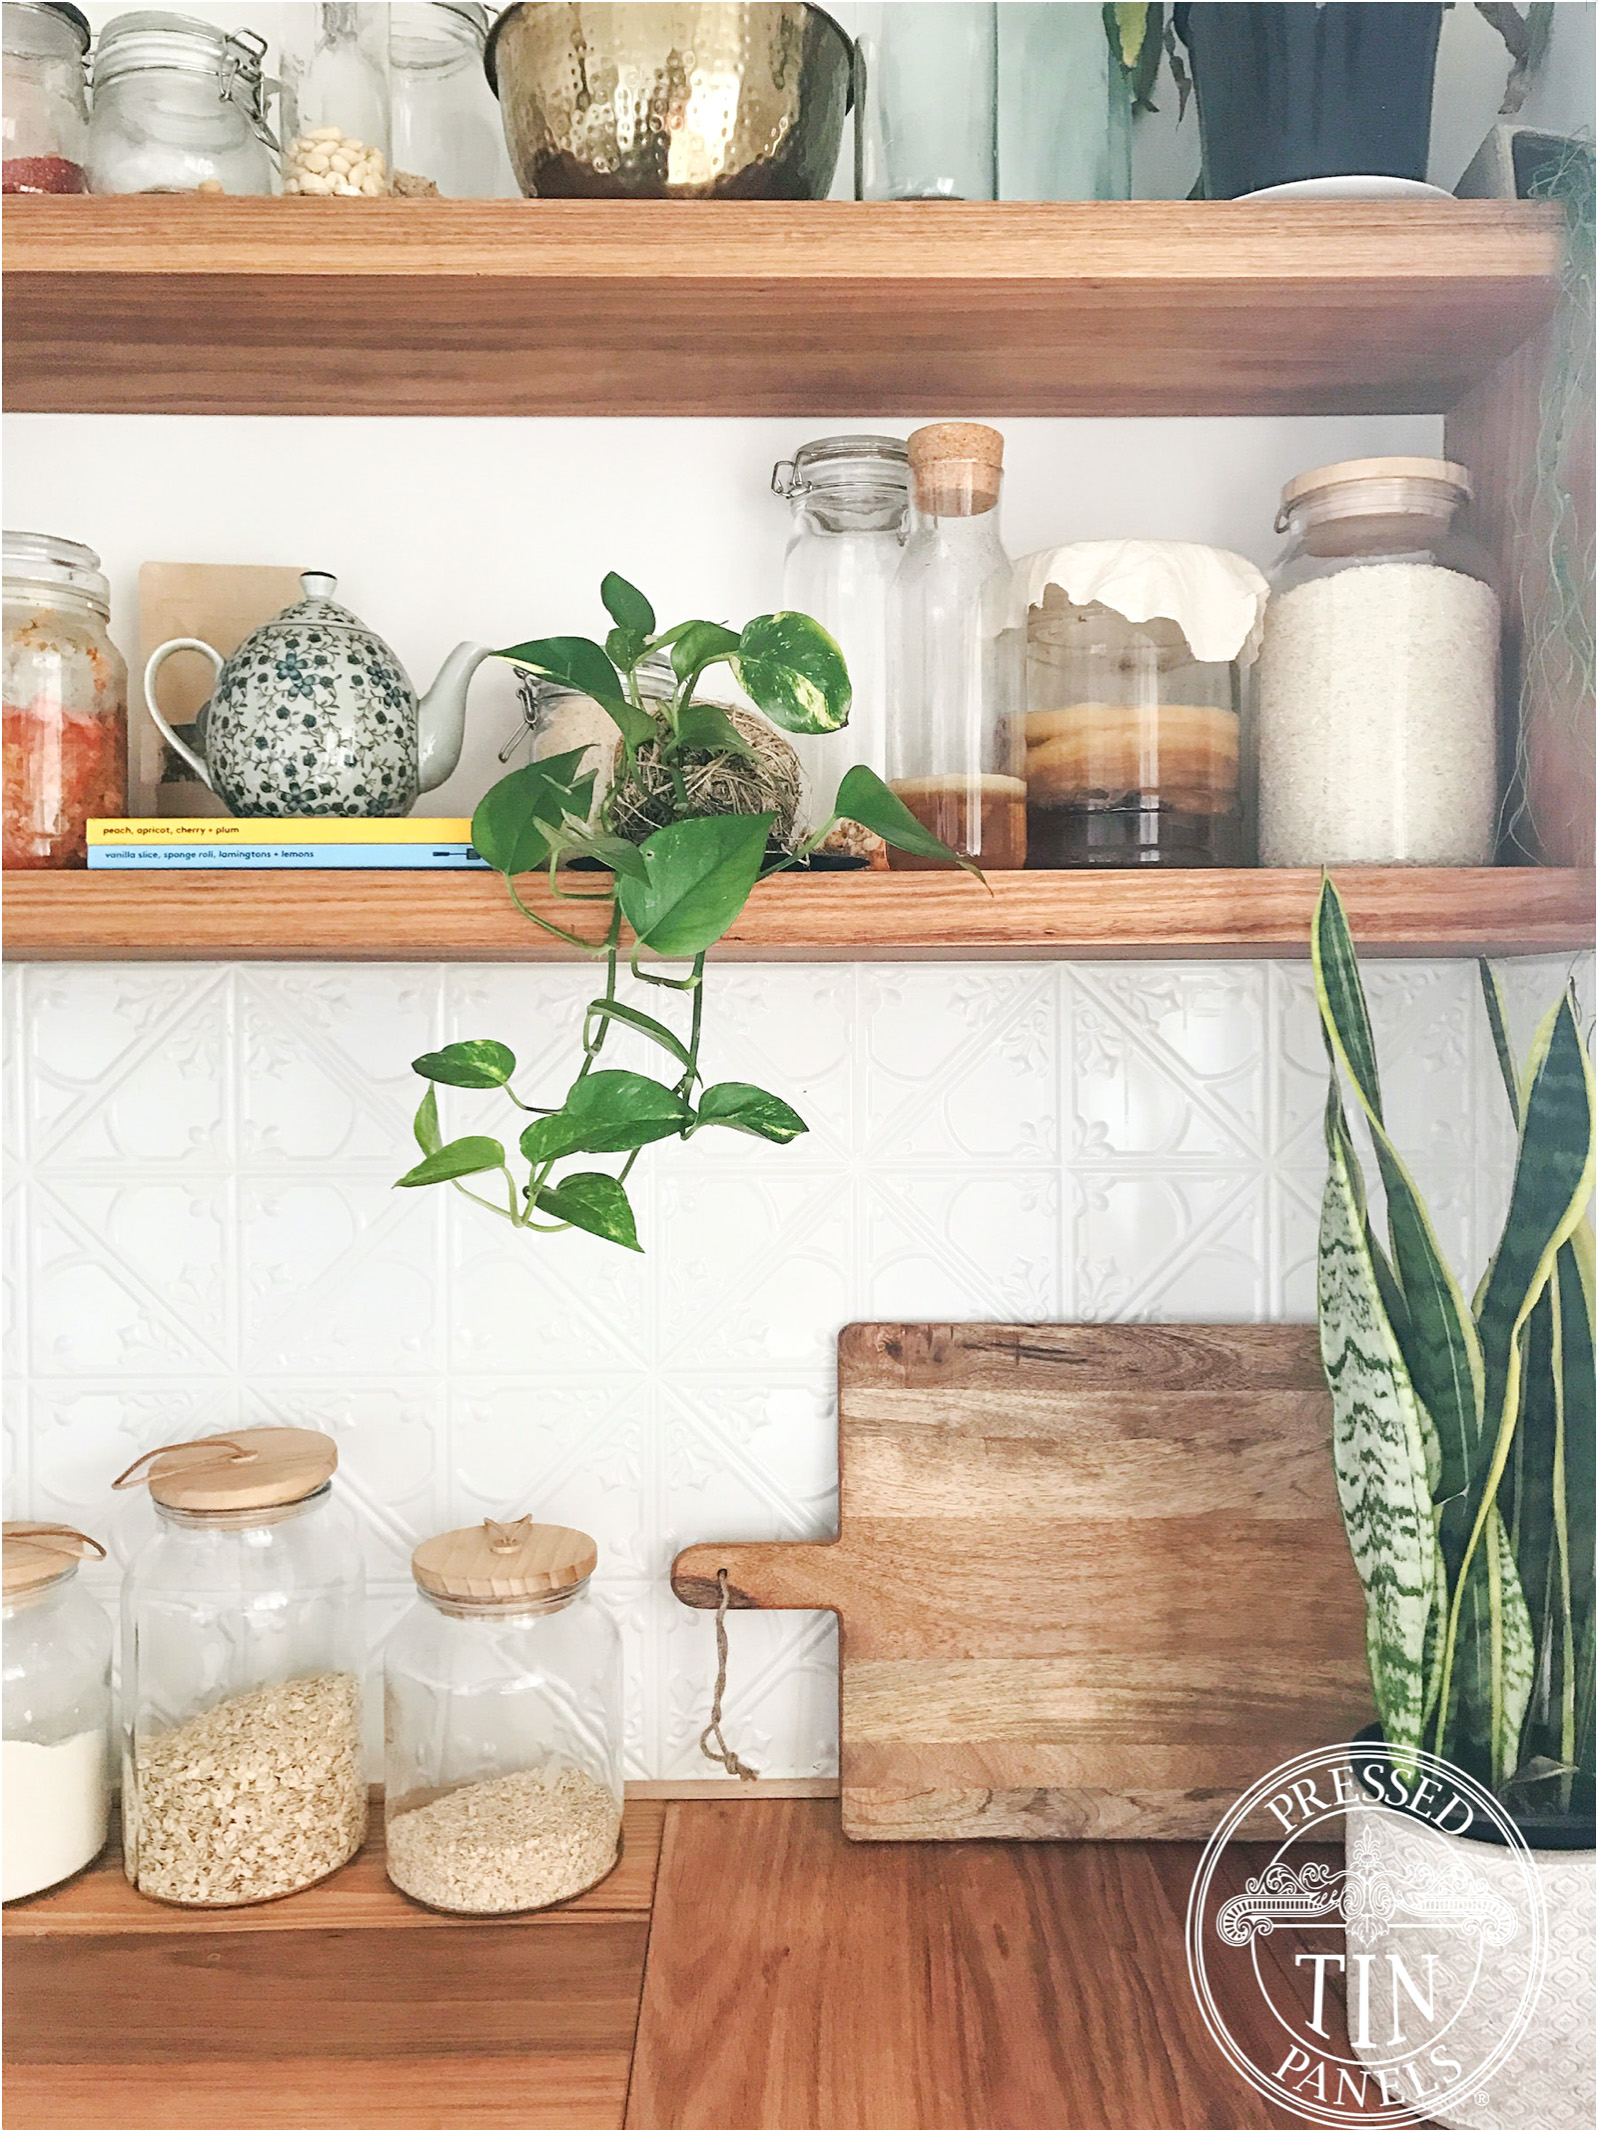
[(65, 717), (957, 656)]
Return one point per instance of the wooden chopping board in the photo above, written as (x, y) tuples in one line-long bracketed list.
[(1090, 1579)]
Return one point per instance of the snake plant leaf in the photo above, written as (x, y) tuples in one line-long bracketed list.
[(700, 874), (1379, 1458), (480, 1062), (1498, 1024), (594, 1202), (790, 668), (626, 605), (1488, 1662), (461, 1157), (1434, 1327)]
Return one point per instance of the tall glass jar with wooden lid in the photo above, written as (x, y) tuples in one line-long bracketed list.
[(957, 655), (243, 1646), (502, 1723), (54, 1775)]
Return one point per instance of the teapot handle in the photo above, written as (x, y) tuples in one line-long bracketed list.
[(157, 660)]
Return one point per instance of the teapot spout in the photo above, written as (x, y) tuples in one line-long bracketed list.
[(441, 717)]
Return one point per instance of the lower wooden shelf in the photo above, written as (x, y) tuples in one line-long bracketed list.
[(871, 916)]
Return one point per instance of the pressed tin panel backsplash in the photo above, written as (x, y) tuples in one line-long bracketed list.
[(202, 1231)]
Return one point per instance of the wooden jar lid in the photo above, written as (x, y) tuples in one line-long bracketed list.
[(1443, 471), (494, 1564), (32, 1555), (247, 1468), (956, 468)]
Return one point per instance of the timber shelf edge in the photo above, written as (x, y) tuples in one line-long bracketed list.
[(868, 916)]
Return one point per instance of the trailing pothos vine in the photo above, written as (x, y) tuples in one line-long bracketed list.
[(677, 892)]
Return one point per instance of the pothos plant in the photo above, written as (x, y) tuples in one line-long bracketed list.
[(677, 892), (1463, 1432)]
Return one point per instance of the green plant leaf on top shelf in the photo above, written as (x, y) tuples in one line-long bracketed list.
[(792, 669), (708, 727), (514, 819), (594, 1202), (863, 797), (750, 1109), (626, 605), (607, 1113), (476, 1063), (461, 1157), (700, 875), (696, 643)]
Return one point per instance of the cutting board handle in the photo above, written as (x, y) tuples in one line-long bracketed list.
[(770, 1577)]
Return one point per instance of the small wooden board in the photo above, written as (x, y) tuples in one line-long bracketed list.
[(1091, 1580)]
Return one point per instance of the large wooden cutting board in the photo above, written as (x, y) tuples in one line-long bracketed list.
[(1090, 1578)]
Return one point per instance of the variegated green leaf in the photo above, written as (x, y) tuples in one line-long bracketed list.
[(1489, 1680), (1379, 1457)]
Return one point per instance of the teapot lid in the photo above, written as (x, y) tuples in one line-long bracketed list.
[(319, 605)]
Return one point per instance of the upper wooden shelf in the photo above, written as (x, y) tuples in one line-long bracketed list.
[(466, 917), (495, 307)]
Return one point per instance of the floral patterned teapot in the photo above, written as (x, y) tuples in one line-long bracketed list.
[(313, 714)]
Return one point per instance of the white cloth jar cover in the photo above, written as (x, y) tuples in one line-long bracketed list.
[(1217, 599)]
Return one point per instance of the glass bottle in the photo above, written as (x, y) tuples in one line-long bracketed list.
[(850, 497), (65, 710), (446, 129), (55, 1731), (44, 112), (957, 656), (1377, 682), (1065, 105), (926, 101), (178, 107), (336, 99), (243, 1647), (502, 1723)]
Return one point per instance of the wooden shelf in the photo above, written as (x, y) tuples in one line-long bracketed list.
[(165, 305), (293, 916)]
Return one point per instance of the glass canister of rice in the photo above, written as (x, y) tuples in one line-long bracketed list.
[(1378, 678), (1136, 734), (502, 1723), (243, 1646)]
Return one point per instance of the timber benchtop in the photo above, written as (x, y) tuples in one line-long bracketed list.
[(744, 1968)]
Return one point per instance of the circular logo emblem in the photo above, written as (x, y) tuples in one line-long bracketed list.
[(1355, 1954)]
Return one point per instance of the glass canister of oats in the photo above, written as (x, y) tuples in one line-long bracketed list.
[(502, 1723), (242, 1653)]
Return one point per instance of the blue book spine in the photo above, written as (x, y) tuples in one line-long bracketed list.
[(298, 857)]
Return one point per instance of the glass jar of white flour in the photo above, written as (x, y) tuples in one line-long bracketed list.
[(54, 1772), (1377, 702)]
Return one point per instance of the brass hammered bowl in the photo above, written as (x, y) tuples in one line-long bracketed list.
[(668, 102)]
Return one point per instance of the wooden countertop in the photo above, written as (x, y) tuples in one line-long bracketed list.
[(744, 1968)]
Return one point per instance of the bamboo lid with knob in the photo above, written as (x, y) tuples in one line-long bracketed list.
[(247, 1468), (33, 1555), (957, 468), (498, 1563)]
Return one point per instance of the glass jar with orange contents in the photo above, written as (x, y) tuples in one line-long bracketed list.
[(65, 717)]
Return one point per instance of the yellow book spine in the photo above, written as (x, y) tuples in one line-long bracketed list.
[(317, 829)]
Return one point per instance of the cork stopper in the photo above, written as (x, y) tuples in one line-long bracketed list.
[(34, 1555), (501, 1564), (247, 1468), (957, 468)]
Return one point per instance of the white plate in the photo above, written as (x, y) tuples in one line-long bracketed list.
[(1350, 188)]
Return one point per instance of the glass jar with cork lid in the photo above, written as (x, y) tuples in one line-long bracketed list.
[(956, 744), (55, 1785), (1137, 654), (502, 1723), (243, 1646)]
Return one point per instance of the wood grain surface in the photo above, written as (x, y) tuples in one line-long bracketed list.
[(1042, 916), (979, 1986), (1091, 1580), (578, 307)]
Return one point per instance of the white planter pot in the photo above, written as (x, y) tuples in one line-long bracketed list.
[(1550, 2080)]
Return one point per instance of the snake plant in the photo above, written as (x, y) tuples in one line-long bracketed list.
[(1463, 1432)]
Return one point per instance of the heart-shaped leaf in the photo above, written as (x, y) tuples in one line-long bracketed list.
[(863, 797), (750, 1109), (607, 1113), (625, 647), (708, 727), (700, 873), (576, 662), (696, 643), (462, 1157), (594, 1202), (428, 1136), (478, 1063), (611, 1009), (626, 605), (511, 824), (791, 668), (614, 851)]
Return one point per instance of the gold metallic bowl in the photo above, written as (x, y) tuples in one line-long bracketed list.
[(667, 102)]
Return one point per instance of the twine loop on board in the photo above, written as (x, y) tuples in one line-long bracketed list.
[(721, 1752)]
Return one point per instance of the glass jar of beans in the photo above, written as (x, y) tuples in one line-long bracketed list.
[(336, 101)]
